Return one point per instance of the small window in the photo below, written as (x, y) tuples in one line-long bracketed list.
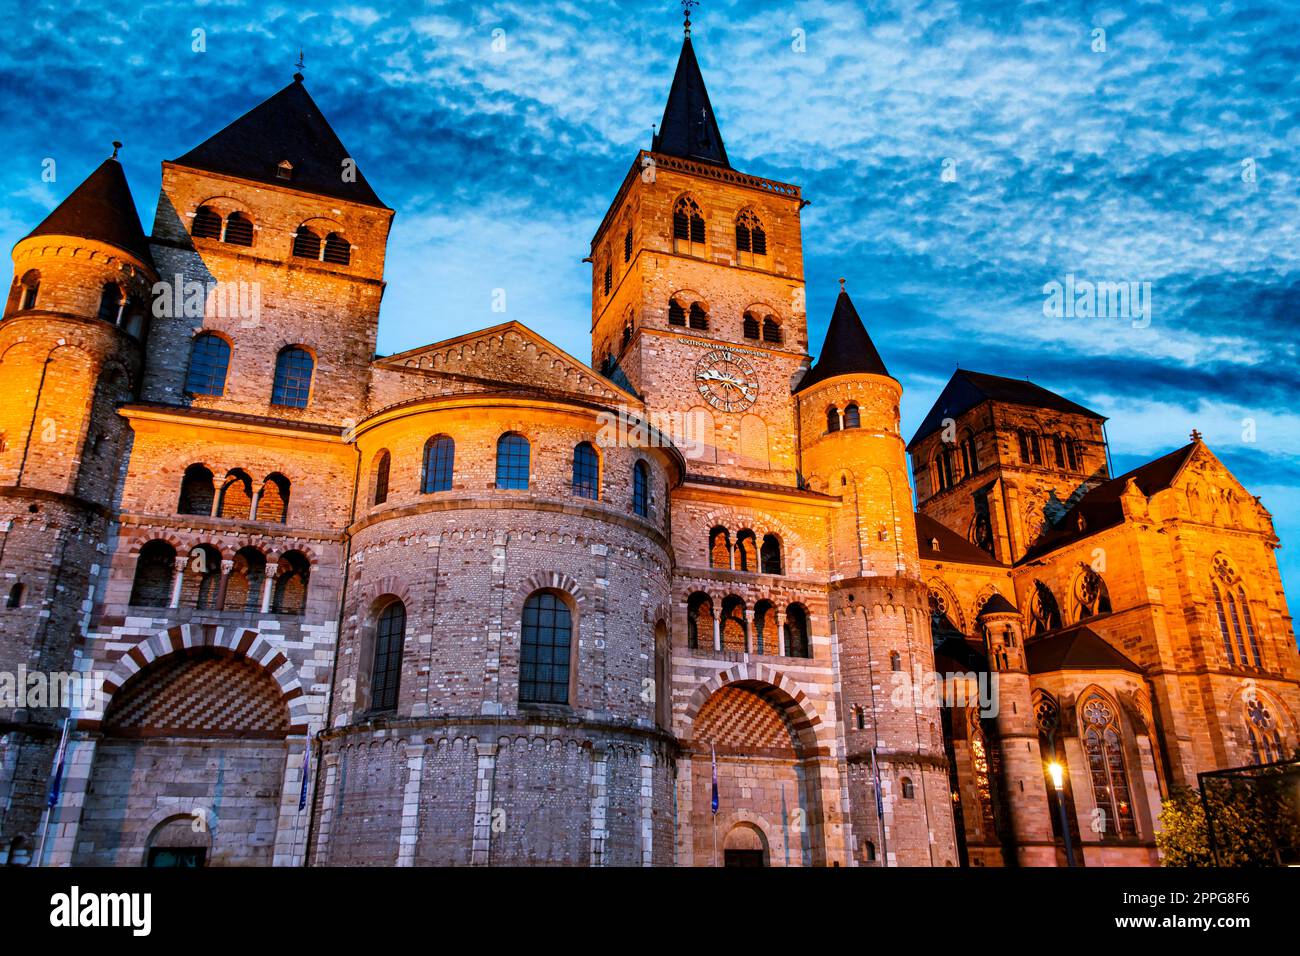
[(290, 596), (382, 467), (676, 314), (751, 326), (512, 461), (909, 789), (293, 370), (15, 596), (209, 361), (627, 245), (770, 555), (609, 277), (111, 301), (771, 331), (439, 464), (860, 716), (832, 419), (641, 489), (284, 170), (547, 636), (386, 671), (239, 230), (895, 661), (852, 417), (699, 318), (207, 224), (154, 569), (198, 492), (586, 471), (337, 250), (31, 289), (306, 244)]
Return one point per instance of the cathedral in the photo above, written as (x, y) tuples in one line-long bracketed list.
[(697, 602)]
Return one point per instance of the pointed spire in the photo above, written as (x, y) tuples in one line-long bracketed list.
[(101, 208), (288, 126), (689, 129), (848, 349)]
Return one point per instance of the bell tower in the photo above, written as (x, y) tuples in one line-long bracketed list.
[(698, 292)]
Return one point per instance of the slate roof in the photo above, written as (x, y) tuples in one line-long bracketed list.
[(689, 129), (101, 208), (1077, 647), (952, 546), (847, 350)]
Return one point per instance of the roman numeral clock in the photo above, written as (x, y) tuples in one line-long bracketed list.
[(726, 379)]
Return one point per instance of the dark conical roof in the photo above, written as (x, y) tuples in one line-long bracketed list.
[(997, 604), (848, 349), (689, 129), (101, 208), (288, 126)]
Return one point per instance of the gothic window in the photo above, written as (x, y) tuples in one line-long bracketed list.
[(1091, 596), (719, 548), (1228, 652), (735, 636), (688, 227), (981, 533), (969, 457), (15, 598), (627, 245), (751, 326), (247, 578), (1261, 726), (386, 669), (796, 631), (383, 464), (852, 416), (209, 360), (746, 551), (770, 556), (239, 230), (979, 757), (751, 240), (699, 318), (909, 789), (545, 652), (641, 489), (293, 371), (1044, 612), (943, 470), (1235, 614), (832, 419), (207, 223), (133, 316), (154, 567), (771, 331), (306, 244), (440, 464), (676, 314), (111, 301), (1110, 789), (273, 499), (586, 471), (197, 492), (699, 621), (236, 496), (1244, 606), (512, 461), (337, 250), (291, 580), (1030, 451)]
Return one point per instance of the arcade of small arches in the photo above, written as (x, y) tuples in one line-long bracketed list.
[(117, 305), (747, 554), (731, 626), (249, 581), (236, 228), (851, 418), (236, 498)]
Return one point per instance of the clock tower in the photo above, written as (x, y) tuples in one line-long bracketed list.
[(698, 294)]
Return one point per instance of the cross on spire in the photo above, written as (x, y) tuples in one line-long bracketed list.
[(1196, 435), (116, 147)]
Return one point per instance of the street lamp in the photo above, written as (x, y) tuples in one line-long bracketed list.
[(1057, 773)]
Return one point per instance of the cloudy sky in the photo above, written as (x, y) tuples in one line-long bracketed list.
[(1139, 143)]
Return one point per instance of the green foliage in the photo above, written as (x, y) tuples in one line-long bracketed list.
[(1256, 822)]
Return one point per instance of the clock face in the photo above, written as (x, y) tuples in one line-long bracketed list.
[(727, 380)]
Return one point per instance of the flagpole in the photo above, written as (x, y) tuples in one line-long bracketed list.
[(53, 797), (713, 800)]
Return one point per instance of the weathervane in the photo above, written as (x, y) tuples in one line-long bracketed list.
[(687, 7)]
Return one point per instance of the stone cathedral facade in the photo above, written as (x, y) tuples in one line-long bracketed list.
[(518, 608)]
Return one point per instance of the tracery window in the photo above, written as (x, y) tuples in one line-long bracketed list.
[(1091, 597), (751, 240), (688, 227), (1110, 786), (979, 757), (1044, 612), (1261, 726)]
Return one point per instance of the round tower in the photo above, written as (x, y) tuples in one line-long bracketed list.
[(851, 448), (71, 346)]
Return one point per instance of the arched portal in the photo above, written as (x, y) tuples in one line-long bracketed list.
[(764, 747)]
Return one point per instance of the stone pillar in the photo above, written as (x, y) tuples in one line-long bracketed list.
[(268, 586), (749, 630), (326, 825), (685, 832), (782, 641), (252, 506), (646, 806), (227, 566), (599, 803), (717, 630), (291, 830), (177, 578), (410, 833), (481, 849), (65, 816)]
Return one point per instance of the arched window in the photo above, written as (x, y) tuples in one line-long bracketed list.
[(688, 227), (201, 579), (676, 313), (720, 548), (236, 496), (909, 789), (383, 462), (273, 499), (1030, 452), (293, 370), (239, 230), (1091, 597), (765, 633), (943, 476), (1074, 453), (209, 360), (386, 668), (832, 419), (869, 851), (751, 326), (1233, 656), (895, 661), (771, 331), (735, 634), (154, 568), (852, 417), (699, 621), (751, 240), (440, 464), (699, 318), (133, 316), (771, 554), (663, 678), (206, 224), (746, 551), (1102, 742), (1044, 612), (545, 652), (291, 579), (247, 578), (860, 717), (337, 250), (197, 492), (306, 244), (1244, 607), (1058, 451), (796, 631), (586, 471), (641, 489), (512, 461), (970, 462), (111, 301), (15, 598), (30, 289), (1261, 727)]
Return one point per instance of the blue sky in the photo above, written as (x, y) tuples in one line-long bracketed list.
[(1128, 163)]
